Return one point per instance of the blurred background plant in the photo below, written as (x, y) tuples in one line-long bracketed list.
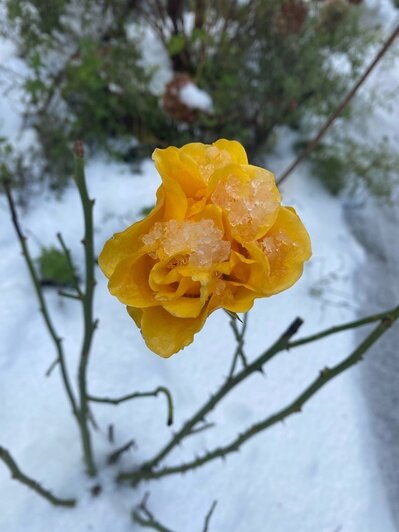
[(261, 65), (54, 269)]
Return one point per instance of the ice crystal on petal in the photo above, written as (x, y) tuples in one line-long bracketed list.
[(214, 158), (272, 245), (201, 242), (249, 205)]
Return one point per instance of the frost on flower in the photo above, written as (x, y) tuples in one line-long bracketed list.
[(202, 242), (218, 237)]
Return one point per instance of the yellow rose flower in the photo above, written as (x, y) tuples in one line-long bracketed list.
[(218, 237)]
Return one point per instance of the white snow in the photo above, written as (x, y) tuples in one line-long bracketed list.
[(314, 473), (196, 98)]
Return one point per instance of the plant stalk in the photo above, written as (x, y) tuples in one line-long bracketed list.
[(87, 303)]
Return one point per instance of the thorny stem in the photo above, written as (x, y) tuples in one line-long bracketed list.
[(326, 126), (340, 328), (142, 516), (87, 303), (43, 306), (326, 375), (230, 383), (136, 395), (239, 336), (17, 474)]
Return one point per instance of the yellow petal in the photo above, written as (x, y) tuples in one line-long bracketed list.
[(185, 172), (287, 250), (127, 242), (165, 334), (136, 314), (129, 282), (235, 149), (184, 307)]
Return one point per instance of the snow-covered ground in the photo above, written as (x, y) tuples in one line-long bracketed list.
[(317, 472)]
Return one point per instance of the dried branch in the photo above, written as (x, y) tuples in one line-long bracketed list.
[(325, 376), (326, 126), (17, 474), (137, 395)]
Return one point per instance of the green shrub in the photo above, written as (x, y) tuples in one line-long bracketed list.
[(54, 269), (264, 64)]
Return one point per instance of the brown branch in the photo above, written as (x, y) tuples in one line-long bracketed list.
[(313, 143)]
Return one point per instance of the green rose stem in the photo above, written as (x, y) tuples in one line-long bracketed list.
[(136, 395), (17, 474), (87, 302), (42, 302), (386, 320)]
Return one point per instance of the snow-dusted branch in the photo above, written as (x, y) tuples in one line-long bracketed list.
[(137, 395), (17, 474)]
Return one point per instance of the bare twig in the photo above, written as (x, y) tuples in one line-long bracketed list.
[(325, 376), (17, 474), (68, 295), (114, 457), (326, 126), (208, 516), (142, 516), (137, 395)]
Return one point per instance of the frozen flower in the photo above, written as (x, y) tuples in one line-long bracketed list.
[(218, 237)]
